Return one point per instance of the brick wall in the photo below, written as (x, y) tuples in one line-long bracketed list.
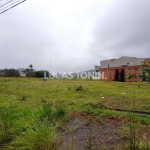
[(119, 73), (133, 70)]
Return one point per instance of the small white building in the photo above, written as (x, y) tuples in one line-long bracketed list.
[(22, 74)]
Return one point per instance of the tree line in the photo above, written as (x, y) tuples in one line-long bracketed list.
[(29, 72)]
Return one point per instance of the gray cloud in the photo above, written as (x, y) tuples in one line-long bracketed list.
[(73, 35), (124, 31)]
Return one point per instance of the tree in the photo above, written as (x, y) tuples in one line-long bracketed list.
[(31, 66), (29, 71), (11, 73), (40, 74), (145, 70)]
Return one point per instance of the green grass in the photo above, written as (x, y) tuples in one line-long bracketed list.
[(24, 128), (31, 109), (42, 137), (31, 92)]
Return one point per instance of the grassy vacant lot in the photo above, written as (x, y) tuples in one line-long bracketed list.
[(38, 115)]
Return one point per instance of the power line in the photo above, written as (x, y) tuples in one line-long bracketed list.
[(10, 4), (12, 7), (5, 3)]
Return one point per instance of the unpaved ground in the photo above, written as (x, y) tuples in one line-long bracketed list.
[(84, 133)]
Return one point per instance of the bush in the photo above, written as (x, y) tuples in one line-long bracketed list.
[(129, 76), (79, 88)]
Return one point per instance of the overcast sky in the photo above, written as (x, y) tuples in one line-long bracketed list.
[(73, 35)]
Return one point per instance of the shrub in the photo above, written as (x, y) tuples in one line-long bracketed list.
[(79, 88), (129, 76)]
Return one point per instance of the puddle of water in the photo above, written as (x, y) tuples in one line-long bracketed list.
[(143, 114)]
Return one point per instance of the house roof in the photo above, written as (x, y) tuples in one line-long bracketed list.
[(124, 60)]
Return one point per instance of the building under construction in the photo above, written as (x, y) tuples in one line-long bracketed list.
[(118, 69)]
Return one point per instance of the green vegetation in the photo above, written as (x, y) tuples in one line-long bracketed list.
[(77, 93), (33, 113), (145, 68), (130, 75), (11, 73), (40, 74), (23, 128)]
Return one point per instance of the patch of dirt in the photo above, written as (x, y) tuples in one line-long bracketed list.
[(85, 132)]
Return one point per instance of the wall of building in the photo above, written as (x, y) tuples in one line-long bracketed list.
[(133, 70), (120, 73)]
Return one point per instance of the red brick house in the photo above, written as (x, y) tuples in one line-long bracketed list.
[(118, 69)]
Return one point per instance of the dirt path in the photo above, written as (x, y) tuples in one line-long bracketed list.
[(84, 133)]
